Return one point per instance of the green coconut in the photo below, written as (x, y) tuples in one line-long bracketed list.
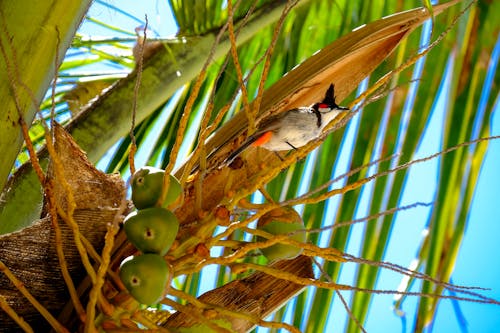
[(279, 221), (151, 230), (145, 277), (147, 183)]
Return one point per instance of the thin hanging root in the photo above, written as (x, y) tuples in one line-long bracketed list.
[(94, 255), (384, 173), (206, 130), (14, 80), (185, 116), (349, 312), (31, 150), (267, 64), (342, 176), (200, 150), (95, 292), (338, 256), (39, 307), (229, 313), (133, 144), (266, 195), (237, 65), (12, 313), (68, 216), (56, 73), (334, 286), (418, 275), (198, 153), (131, 155), (75, 299), (371, 217), (339, 294), (312, 200)]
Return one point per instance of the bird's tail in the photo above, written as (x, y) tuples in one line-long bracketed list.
[(251, 139)]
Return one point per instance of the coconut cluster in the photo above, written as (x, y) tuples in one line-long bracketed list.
[(152, 230)]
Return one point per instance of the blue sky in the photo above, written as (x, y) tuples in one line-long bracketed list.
[(477, 264)]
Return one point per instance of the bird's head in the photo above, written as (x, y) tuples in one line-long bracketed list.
[(328, 104)]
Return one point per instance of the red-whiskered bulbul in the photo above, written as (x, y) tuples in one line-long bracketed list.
[(293, 128)]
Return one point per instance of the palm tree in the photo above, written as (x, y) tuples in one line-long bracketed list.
[(181, 100)]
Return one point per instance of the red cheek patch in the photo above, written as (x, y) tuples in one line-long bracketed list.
[(263, 139)]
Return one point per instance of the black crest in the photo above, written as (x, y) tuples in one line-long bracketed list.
[(330, 98)]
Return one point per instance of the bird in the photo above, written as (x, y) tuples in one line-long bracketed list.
[(294, 128)]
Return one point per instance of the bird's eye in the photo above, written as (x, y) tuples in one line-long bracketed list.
[(140, 181)]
